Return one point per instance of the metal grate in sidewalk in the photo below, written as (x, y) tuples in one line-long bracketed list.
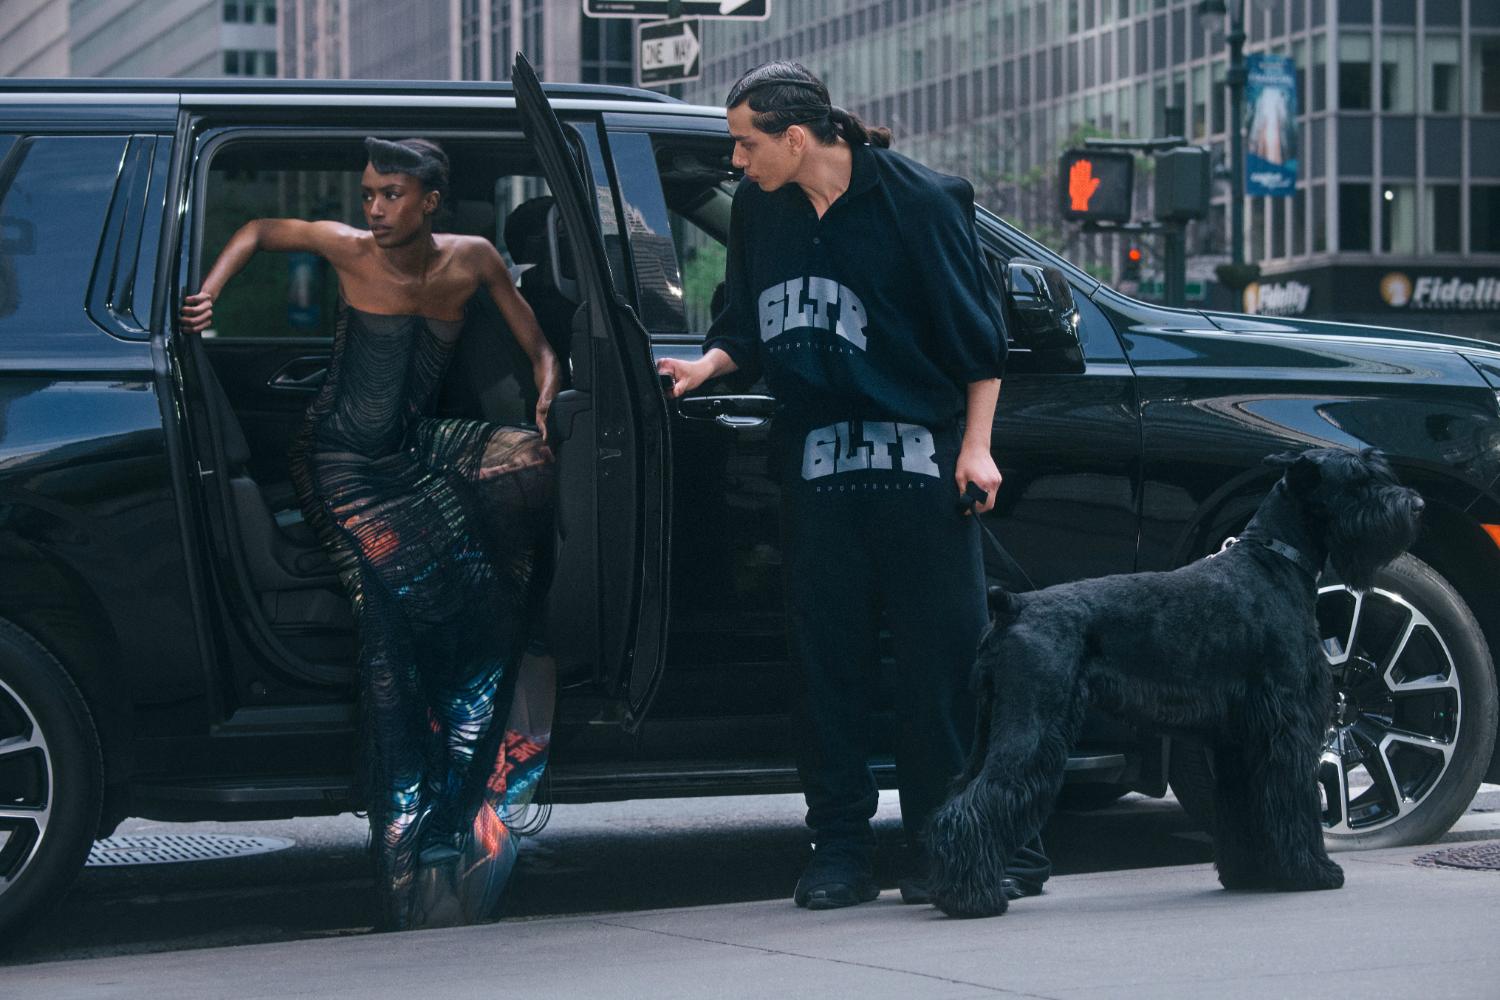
[(115, 852), (1473, 857)]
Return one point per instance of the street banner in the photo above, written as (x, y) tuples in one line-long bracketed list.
[(668, 51), (1271, 141)]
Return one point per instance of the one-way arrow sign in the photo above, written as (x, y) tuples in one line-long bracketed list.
[(669, 51), (739, 10)]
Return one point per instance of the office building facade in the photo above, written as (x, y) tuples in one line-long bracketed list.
[(1396, 214), (34, 38), (452, 40), (138, 38)]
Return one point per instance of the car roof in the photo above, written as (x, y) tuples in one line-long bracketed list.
[(106, 102), (251, 88)]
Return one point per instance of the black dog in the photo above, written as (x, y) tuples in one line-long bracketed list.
[(1226, 648)]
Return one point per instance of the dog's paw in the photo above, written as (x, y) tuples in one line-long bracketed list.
[(1245, 879), (970, 904), (1321, 874)]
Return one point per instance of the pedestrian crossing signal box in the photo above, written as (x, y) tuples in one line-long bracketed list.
[(1096, 185)]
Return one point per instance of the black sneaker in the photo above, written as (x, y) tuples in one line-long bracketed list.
[(838, 875)]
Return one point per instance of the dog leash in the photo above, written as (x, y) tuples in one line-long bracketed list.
[(973, 496)]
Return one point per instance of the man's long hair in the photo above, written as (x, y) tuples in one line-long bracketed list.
[(783, 94)]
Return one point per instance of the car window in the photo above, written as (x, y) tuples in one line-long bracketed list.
[(54, 195), (649, 232), (692, 177), (295, 295)]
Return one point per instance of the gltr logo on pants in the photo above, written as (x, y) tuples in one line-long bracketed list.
[(878, 444)]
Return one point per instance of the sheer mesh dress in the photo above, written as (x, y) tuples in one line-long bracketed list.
[(435, 527)]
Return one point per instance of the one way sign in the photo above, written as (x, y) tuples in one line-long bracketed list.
[(669, 51)]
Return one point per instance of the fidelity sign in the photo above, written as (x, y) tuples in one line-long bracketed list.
[(1277, 298), (1438, 291)]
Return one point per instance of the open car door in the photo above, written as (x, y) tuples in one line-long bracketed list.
[(607, 608)]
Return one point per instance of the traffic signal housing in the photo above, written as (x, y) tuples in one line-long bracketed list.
[(1096, 185), (1184, 181), (1131, 271)]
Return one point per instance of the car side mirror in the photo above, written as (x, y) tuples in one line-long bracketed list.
[(1042, 305)]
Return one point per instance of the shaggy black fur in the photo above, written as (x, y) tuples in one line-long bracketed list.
[(1226, 648)]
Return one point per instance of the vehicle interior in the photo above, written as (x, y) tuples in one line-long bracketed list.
[(250, 377)]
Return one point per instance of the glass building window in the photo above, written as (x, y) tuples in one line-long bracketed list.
[(1318, 95), (1299, 222), (1442, 218), (1217, 98), (1354, 217), (1257, 229), (1398, 78), (1485, 70), (1355, 91), (1484, 218), (1442, 73), (1319, 218), (231, 62), (1398, 219)]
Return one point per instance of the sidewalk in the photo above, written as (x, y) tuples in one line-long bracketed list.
[(1396, 929)]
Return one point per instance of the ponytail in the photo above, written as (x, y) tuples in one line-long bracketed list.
[(856, 132)]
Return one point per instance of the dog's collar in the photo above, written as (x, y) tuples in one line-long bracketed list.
[(1296, 556)]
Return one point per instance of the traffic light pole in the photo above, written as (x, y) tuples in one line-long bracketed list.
[(1173, 252), (1174, 234)]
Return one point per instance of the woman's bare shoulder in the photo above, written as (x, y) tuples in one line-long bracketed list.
[(472, 253)]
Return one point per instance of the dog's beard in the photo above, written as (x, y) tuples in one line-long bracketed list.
[(1363, 537)]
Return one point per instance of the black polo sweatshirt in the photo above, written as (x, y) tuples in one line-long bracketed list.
[(881, 310)]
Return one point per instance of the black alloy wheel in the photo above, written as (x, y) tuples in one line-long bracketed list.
[(51, 779), (1413, 716)]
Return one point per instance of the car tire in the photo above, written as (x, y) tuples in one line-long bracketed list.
[(1412, 727), (51, 778)]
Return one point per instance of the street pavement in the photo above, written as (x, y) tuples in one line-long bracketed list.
[(688, 898), (1396, 929)]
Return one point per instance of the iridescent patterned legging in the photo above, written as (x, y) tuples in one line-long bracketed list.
[(438, 544)]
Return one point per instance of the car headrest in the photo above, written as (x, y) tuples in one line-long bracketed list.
[(534, 235)]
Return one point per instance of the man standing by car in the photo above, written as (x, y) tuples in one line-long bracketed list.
[(854, 278)]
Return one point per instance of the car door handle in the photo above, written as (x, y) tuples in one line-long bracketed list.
[(732, 412), (300, 374)]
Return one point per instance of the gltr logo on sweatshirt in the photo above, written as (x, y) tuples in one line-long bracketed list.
[(877, 445), (784, 307)]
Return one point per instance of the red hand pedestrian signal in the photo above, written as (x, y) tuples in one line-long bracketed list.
[(1095, 185), (1082, 184)]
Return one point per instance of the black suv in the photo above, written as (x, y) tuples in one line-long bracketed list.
[(174, 644)]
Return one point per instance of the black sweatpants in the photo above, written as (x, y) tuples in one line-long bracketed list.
[(891, 546)]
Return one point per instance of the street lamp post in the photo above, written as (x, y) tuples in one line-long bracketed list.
[(1238, 274)]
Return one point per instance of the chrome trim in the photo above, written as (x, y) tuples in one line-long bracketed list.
[(85, 98)]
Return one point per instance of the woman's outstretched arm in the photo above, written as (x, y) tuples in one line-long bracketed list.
[(331, 240), (545, 370)]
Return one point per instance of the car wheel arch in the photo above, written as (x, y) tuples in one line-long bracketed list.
[(68, 621)]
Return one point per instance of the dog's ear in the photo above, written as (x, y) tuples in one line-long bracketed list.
[(1302, 474), (1283, 460)]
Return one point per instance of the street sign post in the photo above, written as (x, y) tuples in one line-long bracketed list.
[(668, 51), (735, 10)]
